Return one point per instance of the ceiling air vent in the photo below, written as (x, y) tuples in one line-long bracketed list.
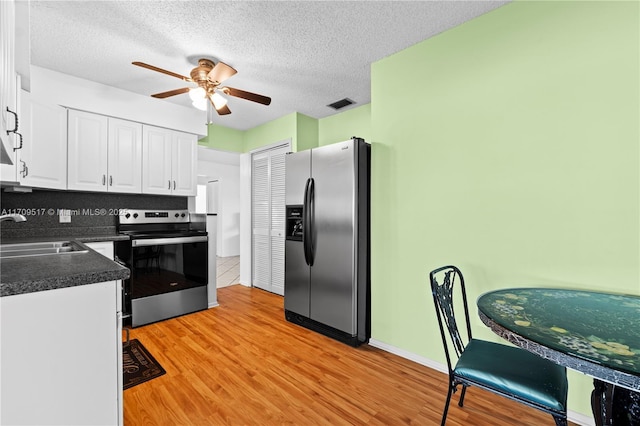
[(341, 103)]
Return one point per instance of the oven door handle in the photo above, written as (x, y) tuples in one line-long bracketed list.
[(168, 241)]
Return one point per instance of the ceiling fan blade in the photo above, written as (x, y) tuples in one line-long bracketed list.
[(151, 67), (221, 72), (265, 100), (171, 93), (224, 110)]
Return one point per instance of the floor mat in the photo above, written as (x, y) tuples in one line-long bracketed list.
[(138, 364)]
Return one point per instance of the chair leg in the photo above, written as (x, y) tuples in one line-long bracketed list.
[(464, 391), (446, 406), (560, 421)]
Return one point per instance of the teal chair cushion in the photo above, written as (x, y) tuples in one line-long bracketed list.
[(514, 371)]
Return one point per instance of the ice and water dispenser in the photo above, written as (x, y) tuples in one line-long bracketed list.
[(294, 223)]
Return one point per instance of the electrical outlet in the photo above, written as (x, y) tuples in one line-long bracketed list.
[(65, 215)]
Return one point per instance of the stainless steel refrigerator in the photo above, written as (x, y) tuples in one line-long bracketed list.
[(327, 254)]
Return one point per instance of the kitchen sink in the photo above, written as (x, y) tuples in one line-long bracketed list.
[(40, 249)]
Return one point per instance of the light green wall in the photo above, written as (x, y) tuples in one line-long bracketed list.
[(342, 126), (306, 133), (271, 132), (301, 129), (507, 146), (223, 138)]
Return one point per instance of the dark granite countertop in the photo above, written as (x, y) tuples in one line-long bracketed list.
[(83, 238), (39, 273)]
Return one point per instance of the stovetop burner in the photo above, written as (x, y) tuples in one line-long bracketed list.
[(139, 224)]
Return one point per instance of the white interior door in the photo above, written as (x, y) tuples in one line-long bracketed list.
[(267, 222), (260, 221)]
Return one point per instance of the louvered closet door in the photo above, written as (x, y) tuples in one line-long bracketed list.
[(261, 221), (267, 190), (277, 223)]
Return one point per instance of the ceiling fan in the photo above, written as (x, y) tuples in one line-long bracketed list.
[(208, 76)]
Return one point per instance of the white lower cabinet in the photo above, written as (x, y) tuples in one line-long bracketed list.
[(62, 356), (105, 248)]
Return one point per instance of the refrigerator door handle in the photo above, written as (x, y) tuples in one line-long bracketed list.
[(305, 222), (311, 220)]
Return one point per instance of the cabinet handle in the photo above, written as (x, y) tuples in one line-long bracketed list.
[(104, 180), (110, 180), (25, 169), (169, 187), (15, 128), (174, 184), (19, 146)]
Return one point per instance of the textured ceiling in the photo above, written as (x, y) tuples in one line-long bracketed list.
[(303, 54)]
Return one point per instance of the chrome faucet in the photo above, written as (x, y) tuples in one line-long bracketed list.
[(13, 217)]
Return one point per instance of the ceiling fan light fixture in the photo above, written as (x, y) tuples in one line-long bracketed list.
[(201, 104), (207, 76), (218, 100), (197, 94)]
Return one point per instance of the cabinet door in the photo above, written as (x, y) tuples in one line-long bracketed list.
[(156, 160), (7, 67), (8, 90), (42, 161), (87, 151), (105, 248), (125, 156), (9, 141), (60, 357), (183, 167)]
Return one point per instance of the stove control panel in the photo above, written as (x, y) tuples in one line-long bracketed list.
[(153, 216)]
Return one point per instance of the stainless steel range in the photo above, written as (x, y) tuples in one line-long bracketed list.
[(167, 254)]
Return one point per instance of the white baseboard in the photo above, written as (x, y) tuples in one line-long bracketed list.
[(572, 416), (410, 356)]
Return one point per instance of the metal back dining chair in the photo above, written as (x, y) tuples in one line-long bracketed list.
[(504, 370)]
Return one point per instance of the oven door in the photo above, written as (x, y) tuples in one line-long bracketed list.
[(163, 265), (169, 277)]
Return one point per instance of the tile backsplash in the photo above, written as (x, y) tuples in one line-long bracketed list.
[(91, 213)]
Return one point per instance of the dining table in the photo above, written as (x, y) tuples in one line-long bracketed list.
[(596, 333)]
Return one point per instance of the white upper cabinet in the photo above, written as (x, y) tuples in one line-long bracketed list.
[(104, 153), (156, 160), (169, 160), (125, 156), (183, 166), (42, 159), (87, 151), (8, 90)]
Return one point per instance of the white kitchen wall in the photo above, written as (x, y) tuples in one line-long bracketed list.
[(78, 93), (224, 167)]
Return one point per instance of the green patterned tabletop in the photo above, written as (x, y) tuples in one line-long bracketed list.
[(602, 328)]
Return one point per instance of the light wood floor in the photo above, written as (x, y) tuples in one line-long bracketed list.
[(243, 364)]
